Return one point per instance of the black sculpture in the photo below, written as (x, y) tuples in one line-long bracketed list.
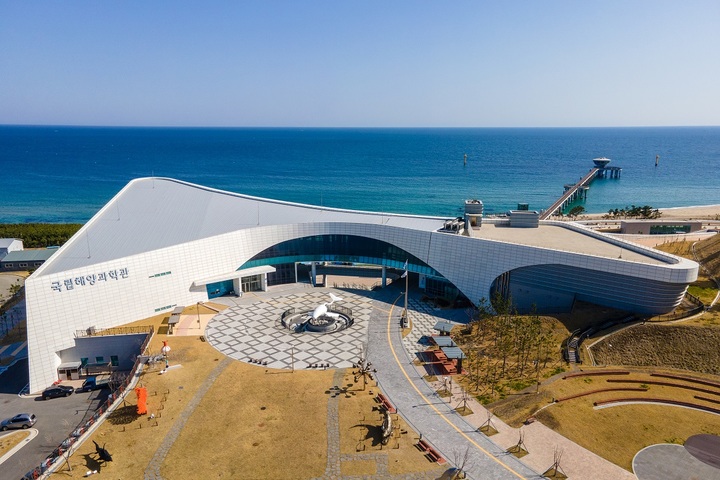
[(102, 453)]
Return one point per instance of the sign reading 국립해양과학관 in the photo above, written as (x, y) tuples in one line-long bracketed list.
[(91, 279)]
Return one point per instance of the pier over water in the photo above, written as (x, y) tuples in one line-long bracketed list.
[(579, 189)]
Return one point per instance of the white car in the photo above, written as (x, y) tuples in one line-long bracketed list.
[(22, 420)]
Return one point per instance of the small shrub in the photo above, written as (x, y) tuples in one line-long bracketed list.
[(521, 384), (554, 371)]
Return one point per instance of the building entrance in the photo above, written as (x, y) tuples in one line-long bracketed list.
[(253, 283)]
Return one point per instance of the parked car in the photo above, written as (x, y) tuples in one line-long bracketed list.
[(22, 420), (95, 382), (57, 391)]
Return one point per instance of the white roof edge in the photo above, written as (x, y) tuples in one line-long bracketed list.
[(292, 204), (76, 238), (234, 274)]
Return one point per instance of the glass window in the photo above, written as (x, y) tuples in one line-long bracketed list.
[(99, 359), (114, 360), (339, 248)]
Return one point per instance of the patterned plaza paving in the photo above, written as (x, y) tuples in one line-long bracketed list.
[(252, 332)]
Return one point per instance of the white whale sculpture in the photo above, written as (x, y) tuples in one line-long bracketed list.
[(321, 310)]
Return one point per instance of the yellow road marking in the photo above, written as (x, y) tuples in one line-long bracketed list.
[(427, 401)]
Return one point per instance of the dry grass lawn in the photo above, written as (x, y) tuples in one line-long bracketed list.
[(618, 433), (361, 432), (253, 422), (693, 348), (615, 433), (10, 440)]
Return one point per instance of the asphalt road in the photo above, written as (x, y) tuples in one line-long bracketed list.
[(56, 419)]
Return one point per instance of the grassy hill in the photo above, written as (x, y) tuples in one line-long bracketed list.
[(708, 254)]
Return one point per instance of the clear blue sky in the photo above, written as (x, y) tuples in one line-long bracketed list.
[(360, 63)]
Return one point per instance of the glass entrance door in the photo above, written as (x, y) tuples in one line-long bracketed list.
[(252, 283)]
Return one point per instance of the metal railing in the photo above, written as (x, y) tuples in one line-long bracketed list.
[(93, 332)]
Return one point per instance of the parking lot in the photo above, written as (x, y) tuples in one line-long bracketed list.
[(56, 418)]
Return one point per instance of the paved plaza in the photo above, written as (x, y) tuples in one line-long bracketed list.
[(251, 331)]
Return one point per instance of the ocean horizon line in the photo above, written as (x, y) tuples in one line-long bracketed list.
[(320, 127)]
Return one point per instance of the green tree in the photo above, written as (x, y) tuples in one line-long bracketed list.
[(575, 211)]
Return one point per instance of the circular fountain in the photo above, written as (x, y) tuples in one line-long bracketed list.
[(325, 318)]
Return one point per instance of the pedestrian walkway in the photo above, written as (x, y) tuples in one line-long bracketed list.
[(540, 441), (424, 317), (424, 410)]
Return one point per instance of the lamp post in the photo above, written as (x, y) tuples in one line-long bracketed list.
[(405, 322)]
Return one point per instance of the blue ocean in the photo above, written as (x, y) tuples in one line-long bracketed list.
[(65, 174)]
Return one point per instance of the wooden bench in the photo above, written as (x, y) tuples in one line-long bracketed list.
[(595, 373), (602, 390), (667, 384), (687, 379), (707, 399), (449, 367), (661, 401), (431, 453), (385, 403)]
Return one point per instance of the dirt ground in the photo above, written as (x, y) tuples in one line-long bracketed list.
[(6, 281)]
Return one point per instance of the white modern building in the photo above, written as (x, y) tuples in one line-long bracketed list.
[(162, 243)]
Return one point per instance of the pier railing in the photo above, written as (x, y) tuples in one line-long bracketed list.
[(569, 194)]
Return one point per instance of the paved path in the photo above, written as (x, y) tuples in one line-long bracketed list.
[(426, 412), (668, 461), (152, 471)]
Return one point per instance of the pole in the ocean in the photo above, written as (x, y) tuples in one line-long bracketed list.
[(657, 160), (465, 162)]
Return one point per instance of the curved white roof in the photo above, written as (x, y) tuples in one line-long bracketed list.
[(154, 213)]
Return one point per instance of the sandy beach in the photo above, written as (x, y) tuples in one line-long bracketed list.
[(700, 212), (706, 213)]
